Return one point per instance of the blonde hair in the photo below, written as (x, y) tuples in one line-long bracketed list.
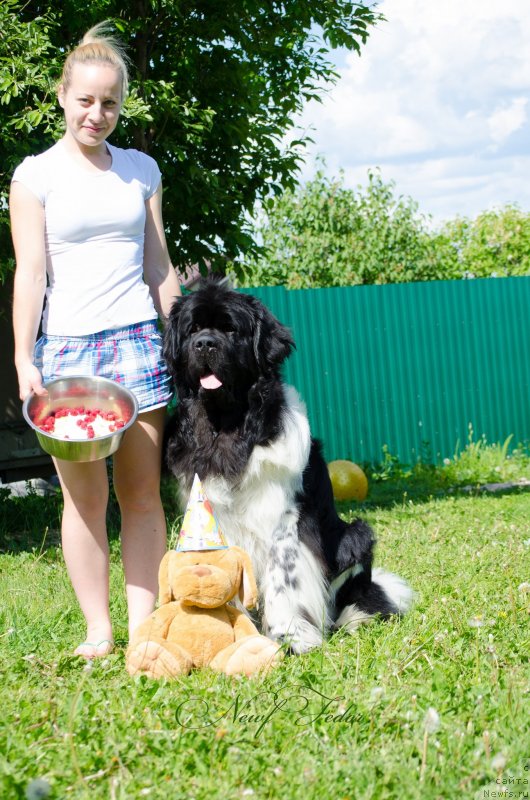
[(98, 47)]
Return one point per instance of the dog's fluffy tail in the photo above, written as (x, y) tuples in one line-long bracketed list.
[(362, 600), (396, 589)]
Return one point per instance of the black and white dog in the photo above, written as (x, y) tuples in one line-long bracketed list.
[(246, 434)]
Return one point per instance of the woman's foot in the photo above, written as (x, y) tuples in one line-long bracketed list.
[(98, 643), (91, 650)]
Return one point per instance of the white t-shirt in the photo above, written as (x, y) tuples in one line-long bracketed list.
[(95, 224)]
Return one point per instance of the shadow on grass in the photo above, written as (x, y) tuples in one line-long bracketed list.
[(387, 494), (33, 523)]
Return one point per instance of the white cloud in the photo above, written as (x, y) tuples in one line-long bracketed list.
[(507, 119), (439, 100)]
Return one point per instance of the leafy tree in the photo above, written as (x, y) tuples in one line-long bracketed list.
[(215, 89), (324, 234), (496, 243), (26, 101)]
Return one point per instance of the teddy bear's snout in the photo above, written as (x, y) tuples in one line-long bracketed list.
[(201, 571)]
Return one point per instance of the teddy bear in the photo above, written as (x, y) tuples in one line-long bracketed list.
[(194, 626)]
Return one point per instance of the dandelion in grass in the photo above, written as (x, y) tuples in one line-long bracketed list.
[(476, 622), (498, 762), (524, 587), (376, 694), (431, 723)]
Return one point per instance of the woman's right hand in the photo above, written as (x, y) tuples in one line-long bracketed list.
[(29, 380)]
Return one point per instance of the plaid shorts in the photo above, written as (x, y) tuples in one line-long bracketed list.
[(131, 356)]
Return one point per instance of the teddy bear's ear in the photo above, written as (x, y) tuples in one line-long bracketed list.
[(248, 592), (165, 594)]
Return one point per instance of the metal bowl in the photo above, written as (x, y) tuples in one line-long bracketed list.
[(73, 391)]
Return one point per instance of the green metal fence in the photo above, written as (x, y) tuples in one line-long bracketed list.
[(411, 366)]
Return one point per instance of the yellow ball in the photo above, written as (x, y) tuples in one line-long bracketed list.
[(348, 480)]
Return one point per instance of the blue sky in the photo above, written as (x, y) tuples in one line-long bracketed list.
[(439, 100)]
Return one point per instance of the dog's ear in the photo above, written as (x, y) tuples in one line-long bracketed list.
[(248, 591), (165, 593), (273, 342), (171, 345)]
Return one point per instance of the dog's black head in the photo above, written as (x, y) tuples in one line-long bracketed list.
[(219, 342)]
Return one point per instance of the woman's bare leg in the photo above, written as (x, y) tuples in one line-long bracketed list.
[(137, 466), (85, 547)]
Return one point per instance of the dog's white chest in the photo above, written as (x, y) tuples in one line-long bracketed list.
[(252, 516), (260, 508)]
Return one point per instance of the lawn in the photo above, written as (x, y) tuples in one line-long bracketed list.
[(434, 705)]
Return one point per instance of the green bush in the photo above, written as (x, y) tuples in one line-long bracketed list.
[(324, 234)]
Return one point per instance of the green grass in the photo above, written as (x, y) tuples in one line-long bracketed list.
[(346, 721)]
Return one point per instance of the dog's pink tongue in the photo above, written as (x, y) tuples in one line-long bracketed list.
[(210, 382)]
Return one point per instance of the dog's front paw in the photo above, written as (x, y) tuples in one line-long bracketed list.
[(299, 635)]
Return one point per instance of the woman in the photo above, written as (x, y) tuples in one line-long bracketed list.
[(86, 219)]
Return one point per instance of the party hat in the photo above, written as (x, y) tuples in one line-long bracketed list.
[(200, 528)]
